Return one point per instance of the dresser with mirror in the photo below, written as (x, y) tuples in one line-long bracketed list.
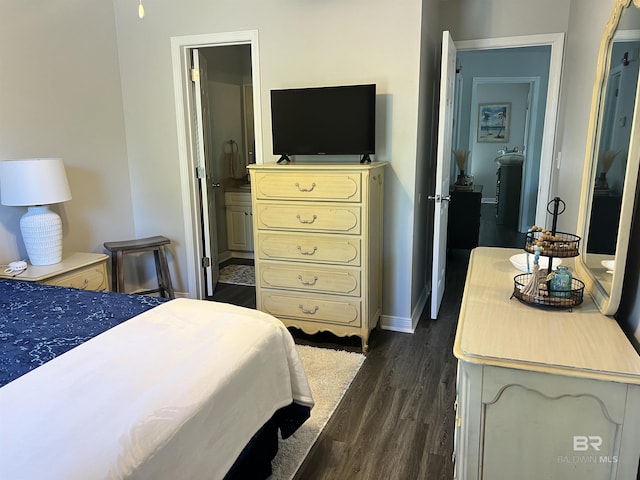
[(552, 393)]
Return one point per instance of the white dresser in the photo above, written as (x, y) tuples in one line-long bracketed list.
[(318, 245), (541, 393)]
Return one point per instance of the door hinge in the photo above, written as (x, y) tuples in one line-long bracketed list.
[(195, 75), (206, 262)]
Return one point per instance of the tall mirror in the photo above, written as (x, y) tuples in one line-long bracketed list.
[(613, 159)]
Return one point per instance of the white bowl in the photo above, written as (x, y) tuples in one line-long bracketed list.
[(609, 265), (520, 262)]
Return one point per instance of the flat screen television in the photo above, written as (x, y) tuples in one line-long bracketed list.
[(337, 120)]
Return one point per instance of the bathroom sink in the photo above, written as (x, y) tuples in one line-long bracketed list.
[(509, 159)]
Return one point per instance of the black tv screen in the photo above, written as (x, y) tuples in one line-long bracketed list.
[(324, 120)]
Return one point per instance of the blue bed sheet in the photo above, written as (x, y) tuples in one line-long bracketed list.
[(39, 322)]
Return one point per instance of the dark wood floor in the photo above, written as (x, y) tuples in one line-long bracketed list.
[(396, 421), (241, 295), (494, 235)]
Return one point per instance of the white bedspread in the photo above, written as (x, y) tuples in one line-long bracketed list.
[(174, 393)]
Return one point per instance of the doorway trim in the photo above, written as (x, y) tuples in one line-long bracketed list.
[(180, 59), (548, 148)]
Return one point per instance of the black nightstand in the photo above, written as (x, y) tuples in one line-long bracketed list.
[(464, 218)]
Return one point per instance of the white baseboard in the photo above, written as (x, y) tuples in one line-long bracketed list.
[(224, 256), (229, 254), (420, 306), (404, 324), (248, 255), (491, 200), (396, 324)]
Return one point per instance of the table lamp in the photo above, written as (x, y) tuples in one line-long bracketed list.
[(36, 183)]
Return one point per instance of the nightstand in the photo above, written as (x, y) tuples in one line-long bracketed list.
[(464, 218), (87, 271)]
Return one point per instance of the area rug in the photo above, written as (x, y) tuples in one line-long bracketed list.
[(238, 275), (330, 372)]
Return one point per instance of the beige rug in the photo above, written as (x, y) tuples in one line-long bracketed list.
[(238, 275), (330, 372)]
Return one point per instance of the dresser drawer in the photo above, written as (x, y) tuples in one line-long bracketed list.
[(311, 278), (318, 218), (89, 278), (314, 308), (341, 250), (281, 185)]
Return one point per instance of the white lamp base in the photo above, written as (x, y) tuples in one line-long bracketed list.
[(42, 235)]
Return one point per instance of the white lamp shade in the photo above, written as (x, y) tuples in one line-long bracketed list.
[(33, 181)]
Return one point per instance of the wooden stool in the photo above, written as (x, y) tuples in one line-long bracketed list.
[(150, 244)]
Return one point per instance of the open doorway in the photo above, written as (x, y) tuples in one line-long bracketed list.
[(229, 145), (218, 103), (521, 75)]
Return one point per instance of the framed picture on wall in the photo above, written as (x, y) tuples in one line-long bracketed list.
[(493, 122)]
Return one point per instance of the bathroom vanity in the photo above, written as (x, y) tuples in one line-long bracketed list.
[(508, 186), (542, 393)]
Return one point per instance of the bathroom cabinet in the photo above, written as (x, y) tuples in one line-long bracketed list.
[(463, 227), (239, 221), (508, 187)]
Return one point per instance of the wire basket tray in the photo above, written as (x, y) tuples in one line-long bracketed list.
[(547, 297), (561, 245)]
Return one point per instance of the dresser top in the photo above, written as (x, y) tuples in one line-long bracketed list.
[(329, 166), (497, 330), (70, 261)]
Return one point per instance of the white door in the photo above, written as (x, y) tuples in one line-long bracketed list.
[(206, 183), (443, 167)]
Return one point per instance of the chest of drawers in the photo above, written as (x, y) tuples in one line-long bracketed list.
[(318, 245)]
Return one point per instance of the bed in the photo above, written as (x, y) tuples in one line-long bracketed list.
[(108, 385)]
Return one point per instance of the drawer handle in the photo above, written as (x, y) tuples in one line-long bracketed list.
[(307, 221), (308, 312), (303, 189), (84, 285), (310, 283), (307, 252)]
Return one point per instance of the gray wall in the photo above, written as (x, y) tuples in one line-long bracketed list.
[(90, 82), (301, 44), (61, 96)]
